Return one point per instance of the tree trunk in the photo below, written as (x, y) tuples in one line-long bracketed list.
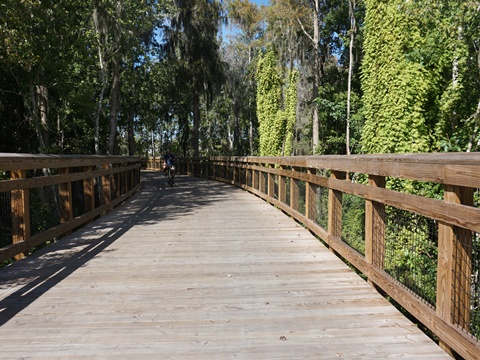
[(196, 124), (114, 105), (131, 132), (350, 70), (103, 77), (42, 103), (36, 119), (315, 78), (115, 92)]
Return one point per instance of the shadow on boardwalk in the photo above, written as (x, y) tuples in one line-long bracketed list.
[(201, 270), (25, 281)]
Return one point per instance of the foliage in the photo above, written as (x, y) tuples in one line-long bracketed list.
[(290, 112), (396, 85), (353, 222), (411, 255), (269, 94)]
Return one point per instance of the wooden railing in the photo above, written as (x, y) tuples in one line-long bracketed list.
[(43, 197), (409, 223)]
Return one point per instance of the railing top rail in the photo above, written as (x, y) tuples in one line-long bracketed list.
[(462, 169), (28, 161)]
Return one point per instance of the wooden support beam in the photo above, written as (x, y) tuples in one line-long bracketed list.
[(282, 187), (311, 197), (375, 226), (335, 207), (271, 185), (88, 191), (65, 197), (294, 191), (106, 180), (454, 268), (20, 203)]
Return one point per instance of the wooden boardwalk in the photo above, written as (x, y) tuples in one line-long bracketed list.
[(202, 270)]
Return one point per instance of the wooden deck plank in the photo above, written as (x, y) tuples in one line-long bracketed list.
[(201, 270)]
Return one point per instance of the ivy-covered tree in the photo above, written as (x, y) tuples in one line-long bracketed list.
[(290, 112), (269, 96), (276, 119), (396, 85)]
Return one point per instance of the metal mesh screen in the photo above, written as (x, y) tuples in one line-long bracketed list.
[(353, 222), (44, 208), (5, 219), (411, 251), (322, 207), (466, 281), (301, 197)]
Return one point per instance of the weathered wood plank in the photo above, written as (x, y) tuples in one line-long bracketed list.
[(201, 270)]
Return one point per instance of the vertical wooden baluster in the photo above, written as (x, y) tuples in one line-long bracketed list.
[(375, 227), (255, 181), (88, 191), (20, 203), (65, 197), (294, 191), (311, 197), (107, 196), (454, 266), (335, 207), (282, 186), (271, 185)]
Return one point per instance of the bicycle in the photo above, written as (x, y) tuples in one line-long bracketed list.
[(170, 173)]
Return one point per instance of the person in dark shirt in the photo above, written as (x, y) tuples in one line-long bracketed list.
[(168, 161)]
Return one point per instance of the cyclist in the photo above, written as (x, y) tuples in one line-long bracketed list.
[(168, 161)]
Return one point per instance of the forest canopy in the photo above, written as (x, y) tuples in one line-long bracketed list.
[(204, 77)]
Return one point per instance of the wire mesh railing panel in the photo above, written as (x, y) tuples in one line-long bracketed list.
[(5, 219), (353, 222), (301, 197), (322, 207), (288, 192), (44, 208), (465, 284), (475, 277), (263, 182), (411, 252)]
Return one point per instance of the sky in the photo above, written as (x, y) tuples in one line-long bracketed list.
[(228, 31)]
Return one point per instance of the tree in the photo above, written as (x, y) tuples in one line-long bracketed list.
[(275, 124), (315, 5), (248, 18), (290, 112), (395, 83), (192, 39)]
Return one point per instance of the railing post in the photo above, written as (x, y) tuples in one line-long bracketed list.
[(115, 182), (454, 267), (255, 175), (271, 185), (282, 186), (65, 196), (294, 191), (106, 186), (248, 176), (236, 175), (88, 192), (20, 203), (263, 183), (375, 226), (311, 197), (335, 207)]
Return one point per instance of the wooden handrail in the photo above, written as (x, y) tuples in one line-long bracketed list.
[(103, 182), (457, 220)]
